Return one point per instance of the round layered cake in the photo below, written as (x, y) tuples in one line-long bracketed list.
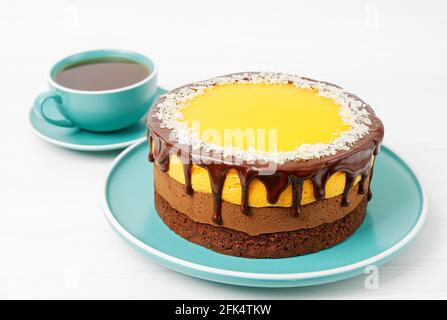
[(263, 165)]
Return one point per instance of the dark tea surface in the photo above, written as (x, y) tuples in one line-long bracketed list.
[(101, 74)]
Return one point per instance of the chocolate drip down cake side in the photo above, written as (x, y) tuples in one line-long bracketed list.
[(263, 165)]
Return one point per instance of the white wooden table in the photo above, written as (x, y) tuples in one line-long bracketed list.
[(54, 240)]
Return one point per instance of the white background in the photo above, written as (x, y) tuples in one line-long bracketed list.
[(54, 239)]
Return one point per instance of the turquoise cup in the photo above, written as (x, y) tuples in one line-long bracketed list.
[(99, 111)]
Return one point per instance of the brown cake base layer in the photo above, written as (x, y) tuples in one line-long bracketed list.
[(270, 245)]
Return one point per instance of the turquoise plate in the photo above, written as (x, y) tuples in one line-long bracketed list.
[(394, 217), (77, 139)]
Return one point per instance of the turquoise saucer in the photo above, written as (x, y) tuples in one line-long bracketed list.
[(395, 215), (77, 139)]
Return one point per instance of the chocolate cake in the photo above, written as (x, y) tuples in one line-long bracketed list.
[(220, 184)]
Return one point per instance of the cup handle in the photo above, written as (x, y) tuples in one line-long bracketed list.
[(39, 109)]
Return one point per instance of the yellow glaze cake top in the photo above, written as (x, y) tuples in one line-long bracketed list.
[(266, 117)]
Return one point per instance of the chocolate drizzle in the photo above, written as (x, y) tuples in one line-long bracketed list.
[(350, 178), (362, 183), (319, 181), (217, 173), (275, 184), (297, 188), (159, 152), (187, 167), (244, 178), (355, 162)]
